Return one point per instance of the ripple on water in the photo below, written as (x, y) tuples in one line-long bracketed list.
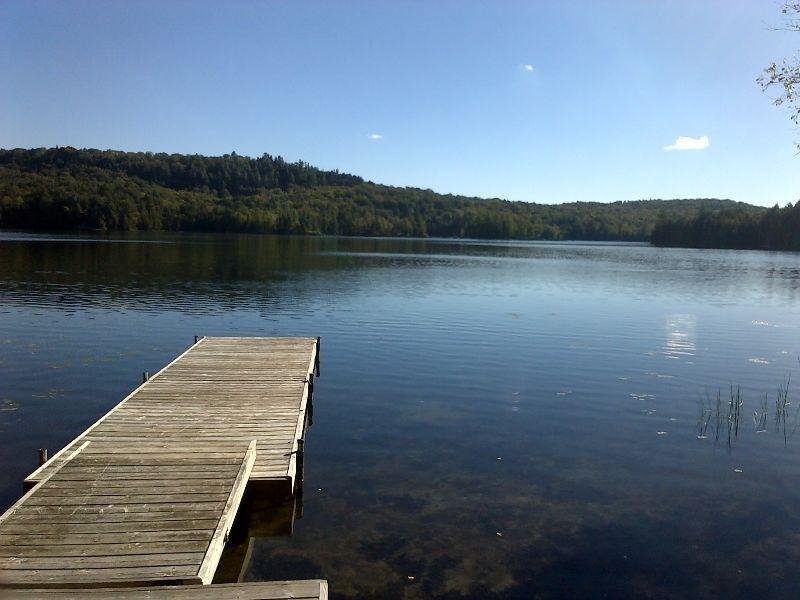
[(579, 366)]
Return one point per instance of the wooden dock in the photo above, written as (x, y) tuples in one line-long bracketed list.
[(221, 390), (311, 589), (147, 495)]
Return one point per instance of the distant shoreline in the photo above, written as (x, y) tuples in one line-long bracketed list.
[(68, 190)]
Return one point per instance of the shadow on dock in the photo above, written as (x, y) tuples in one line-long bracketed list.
[(268, 510), (259, 517)]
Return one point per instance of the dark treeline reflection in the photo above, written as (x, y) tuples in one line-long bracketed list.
[(175, 268), (142, 270)]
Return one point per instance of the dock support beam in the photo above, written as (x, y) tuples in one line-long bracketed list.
[(316, 358), (301, 443)]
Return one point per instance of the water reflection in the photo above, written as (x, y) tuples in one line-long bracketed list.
[(680, 334), (442, 357), (194, 271), (259, 517)]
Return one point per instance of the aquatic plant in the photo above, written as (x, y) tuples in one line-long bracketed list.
[(760, 417), (728, 416), (703, 417), (781, 404), (734, 413)]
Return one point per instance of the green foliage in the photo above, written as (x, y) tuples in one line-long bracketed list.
[(754, 228), (65, 189), (785, 76)]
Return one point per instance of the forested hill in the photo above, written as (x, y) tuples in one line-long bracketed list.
[(66, 189), (230, 174), (756, 229)]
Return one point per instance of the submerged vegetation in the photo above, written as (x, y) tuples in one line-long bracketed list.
[(69, 189)]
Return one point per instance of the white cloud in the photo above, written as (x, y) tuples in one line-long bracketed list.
[(375, 136), (689, 143), (528, 68)]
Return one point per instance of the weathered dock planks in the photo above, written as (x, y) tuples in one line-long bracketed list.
[(313, 589), (147, 495), (219, 390), (73, 528)]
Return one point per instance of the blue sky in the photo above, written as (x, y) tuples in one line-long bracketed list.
[(608, 85)]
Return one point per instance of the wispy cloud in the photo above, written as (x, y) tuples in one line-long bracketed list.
[(375, 136), (528, 68), (689, 143)]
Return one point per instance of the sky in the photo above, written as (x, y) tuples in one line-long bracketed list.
[(536, 101)]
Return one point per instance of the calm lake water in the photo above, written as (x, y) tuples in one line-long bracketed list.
[(493, 419)]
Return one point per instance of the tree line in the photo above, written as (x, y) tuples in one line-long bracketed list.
[(755, 229), (230, 174), (69, 189)]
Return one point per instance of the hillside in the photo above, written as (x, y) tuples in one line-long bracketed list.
[(765, 229), (68, 189)]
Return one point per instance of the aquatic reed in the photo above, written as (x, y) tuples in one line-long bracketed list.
[(728, 415), (760, 417), (703, 417), (781, 404), (734, 413)]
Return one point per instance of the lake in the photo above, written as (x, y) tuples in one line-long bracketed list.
[(493, 419)]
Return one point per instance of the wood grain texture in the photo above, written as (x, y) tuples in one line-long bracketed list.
[(56, 536), (220, 390), (314, 589), (148, 493)]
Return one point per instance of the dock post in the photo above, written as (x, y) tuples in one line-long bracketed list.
[(309, 403), (42, 456), (301, 443), (145, 376), (197, 337), (316, 358)]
